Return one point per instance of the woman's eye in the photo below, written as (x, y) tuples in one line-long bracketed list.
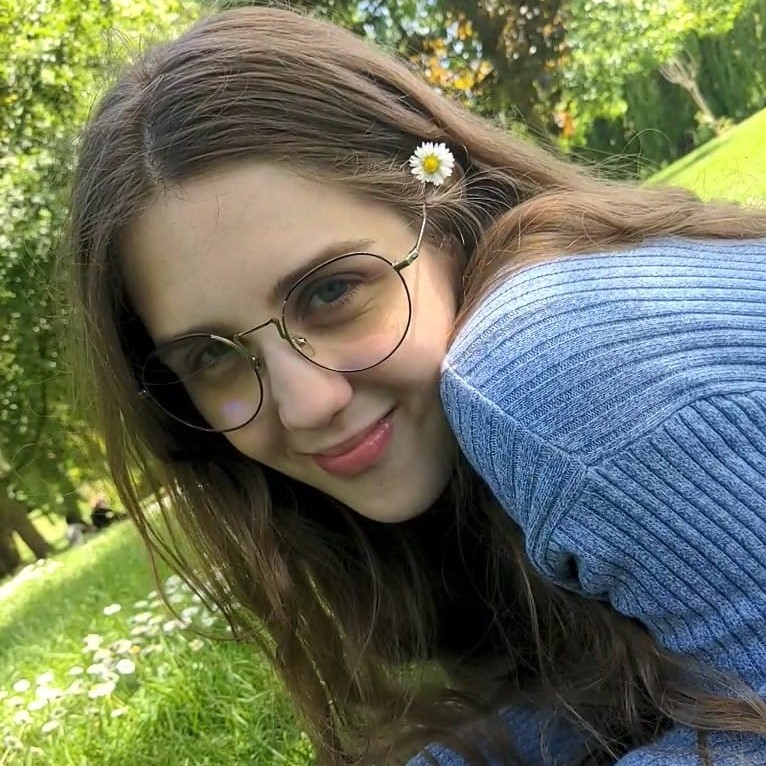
[(208, 356), (328, 292)]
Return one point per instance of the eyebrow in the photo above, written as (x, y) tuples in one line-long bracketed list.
[(281, 287), (334, 250)]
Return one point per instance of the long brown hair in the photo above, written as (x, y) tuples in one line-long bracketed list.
[(361, 620)]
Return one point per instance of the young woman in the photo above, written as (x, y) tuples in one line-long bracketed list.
[(276, 230)]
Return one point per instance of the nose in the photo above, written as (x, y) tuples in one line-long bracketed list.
[(306, 396)]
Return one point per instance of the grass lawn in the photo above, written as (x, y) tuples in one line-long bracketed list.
[(95, 672), (732, 166)]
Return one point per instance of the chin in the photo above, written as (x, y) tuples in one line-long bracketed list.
[(397, 507), (391, 515)]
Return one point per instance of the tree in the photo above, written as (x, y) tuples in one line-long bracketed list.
[(56, 54), (612, 41), (498, 56)]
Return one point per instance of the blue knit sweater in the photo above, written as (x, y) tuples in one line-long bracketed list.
[(616, 406)]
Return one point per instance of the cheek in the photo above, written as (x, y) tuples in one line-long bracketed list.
[(258, 440), (434, 307)]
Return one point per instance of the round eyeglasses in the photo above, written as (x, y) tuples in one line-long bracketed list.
[(348, 314)]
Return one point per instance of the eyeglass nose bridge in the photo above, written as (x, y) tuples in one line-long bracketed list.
[(278, 322), (299, 343), (256, 359)]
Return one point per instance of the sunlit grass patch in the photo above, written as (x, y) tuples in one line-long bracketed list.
[(732, 166), (95, 670)]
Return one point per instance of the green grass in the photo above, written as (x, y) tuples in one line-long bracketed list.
[(179, 700), (731, 166)]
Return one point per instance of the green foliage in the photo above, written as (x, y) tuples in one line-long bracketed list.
[(497, 56), (613, 41), (56, 53), (614, 97)]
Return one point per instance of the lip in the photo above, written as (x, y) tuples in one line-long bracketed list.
[(359, 453)]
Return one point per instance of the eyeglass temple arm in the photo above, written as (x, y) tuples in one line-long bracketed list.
[(415, 252)]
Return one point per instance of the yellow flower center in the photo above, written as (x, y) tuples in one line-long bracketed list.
[(431, 163)]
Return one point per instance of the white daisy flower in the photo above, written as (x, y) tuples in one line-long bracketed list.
[(125, 667), (22, 686), (12, 742), (119, 711), (432, 163), (49, 726), (22, 717), (173, 581), (189, 612), (44, 678), (92, 642), (48, 692), (112, 609), (101, 690), (122, 646), (97, 669)]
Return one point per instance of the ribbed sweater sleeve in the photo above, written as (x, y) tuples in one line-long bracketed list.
[(616, 406)]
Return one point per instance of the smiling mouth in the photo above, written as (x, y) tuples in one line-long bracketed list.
[(360, 453)]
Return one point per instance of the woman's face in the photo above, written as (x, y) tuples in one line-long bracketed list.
[(209, 255)]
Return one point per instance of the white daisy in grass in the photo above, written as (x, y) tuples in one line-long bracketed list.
[(44, 678), (118, 711), (75, 671), (112, 609), (172, 625), (102, 654), (92, 642), (103, 689), (50, 726), (125, 667), (21, 686), (48, 693), (97, 669), (22, 718), (12, 742), (432, 163), (122, 646)]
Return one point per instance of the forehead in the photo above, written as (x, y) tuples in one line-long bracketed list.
[(210, 251)]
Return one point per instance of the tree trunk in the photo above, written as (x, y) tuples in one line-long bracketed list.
[(9, 553), (13, 517)]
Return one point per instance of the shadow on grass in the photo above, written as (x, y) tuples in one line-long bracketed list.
[(62, 601)]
